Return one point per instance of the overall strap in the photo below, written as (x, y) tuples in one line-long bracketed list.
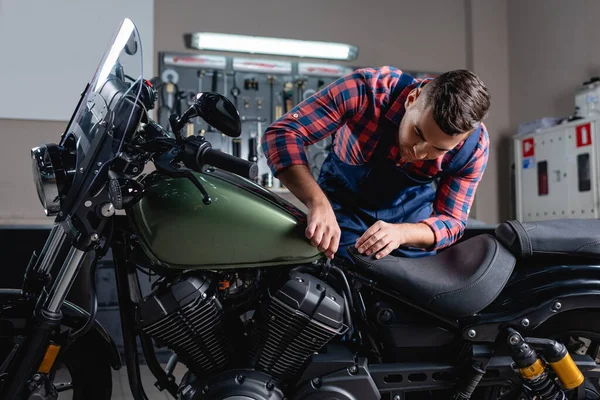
[(464, 154), (388, 130)]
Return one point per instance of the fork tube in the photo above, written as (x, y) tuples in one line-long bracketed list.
[(53, 244), (65, 280)]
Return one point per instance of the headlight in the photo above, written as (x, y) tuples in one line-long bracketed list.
[(50, 175)]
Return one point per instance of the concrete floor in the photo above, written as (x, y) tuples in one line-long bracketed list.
[(121, 390)]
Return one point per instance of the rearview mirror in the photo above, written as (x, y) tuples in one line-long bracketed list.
[(219, 112)]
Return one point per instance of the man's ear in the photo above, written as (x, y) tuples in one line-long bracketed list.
[(412, 97)]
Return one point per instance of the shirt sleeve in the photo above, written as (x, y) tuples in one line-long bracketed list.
[(455, 196), (314, 119)]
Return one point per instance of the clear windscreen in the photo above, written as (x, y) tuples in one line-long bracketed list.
[(106, 113)]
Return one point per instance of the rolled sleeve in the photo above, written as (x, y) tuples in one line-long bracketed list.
[(314, 119), (454, 197)]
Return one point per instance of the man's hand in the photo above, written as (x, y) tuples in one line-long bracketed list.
[(323, 229), (383, 238)]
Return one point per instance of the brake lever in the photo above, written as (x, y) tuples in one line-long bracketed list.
[(166, 163), (205, 196)]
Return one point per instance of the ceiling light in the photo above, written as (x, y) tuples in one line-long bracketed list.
[(271, 46)]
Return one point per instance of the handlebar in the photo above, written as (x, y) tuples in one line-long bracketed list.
[(198, 152), (230, 163)]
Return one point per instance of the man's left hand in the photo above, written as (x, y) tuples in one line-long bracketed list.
[(381, 238)]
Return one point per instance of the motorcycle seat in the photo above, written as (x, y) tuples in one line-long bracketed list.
[(458, 282), (561, 237)]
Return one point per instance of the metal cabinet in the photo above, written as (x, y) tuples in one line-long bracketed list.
[(556, 172)]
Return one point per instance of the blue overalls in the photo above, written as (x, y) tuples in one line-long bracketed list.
[(361, 195)]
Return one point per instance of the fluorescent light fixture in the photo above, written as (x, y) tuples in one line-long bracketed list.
[(271, 46)]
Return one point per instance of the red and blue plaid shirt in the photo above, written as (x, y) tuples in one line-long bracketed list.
[(351, 108)]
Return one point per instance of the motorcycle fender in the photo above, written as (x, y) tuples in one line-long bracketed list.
[(532, 296), (97, 332)]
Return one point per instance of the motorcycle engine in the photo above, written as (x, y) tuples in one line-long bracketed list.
[(296, 322), (293, 321), (187, 317)]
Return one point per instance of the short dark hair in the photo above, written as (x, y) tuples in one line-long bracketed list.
[(460, 101)]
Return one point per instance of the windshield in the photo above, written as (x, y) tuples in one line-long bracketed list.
[(105, 114)]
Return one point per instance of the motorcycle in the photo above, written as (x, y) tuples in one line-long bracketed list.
[(248, 306)]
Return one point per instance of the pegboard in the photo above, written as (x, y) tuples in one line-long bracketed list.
[(262, 90)]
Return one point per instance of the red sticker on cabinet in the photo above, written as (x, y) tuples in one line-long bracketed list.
[(528, 148), (584, 135)]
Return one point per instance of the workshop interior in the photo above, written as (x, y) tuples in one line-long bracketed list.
[(151, 252)]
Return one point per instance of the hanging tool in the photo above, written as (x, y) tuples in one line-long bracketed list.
[(287, 95), (300, 82), (250, 84), (225, 93), (267, 180), (200, 75), (271, 80), (215, 80), (235, 91), (252, 148), (236, 147), (170, 78), (278, 107)]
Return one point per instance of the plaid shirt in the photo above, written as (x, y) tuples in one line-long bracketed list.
[(351, 108)]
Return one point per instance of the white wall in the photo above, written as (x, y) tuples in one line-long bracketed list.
[(554, 48), (425, 35), (50, 49), (489, 59)]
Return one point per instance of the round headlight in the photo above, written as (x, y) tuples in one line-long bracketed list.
[(49, 176)]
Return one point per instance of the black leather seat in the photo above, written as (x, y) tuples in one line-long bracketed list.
[(458, 282), (561, 237)]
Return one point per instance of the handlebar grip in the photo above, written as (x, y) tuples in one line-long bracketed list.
[(230, 163)]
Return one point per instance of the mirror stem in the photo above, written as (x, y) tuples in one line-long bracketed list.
[(176, 126)]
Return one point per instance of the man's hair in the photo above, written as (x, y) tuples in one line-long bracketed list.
[(460, 101)]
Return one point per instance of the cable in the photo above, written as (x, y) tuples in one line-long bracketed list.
[(347, 288)]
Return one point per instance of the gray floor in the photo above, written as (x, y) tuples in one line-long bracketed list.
[(121, 390)]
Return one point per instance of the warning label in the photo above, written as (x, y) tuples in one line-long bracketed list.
[(528, 148), (584, 135)]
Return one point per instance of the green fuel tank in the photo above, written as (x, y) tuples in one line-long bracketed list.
[(244, 226)]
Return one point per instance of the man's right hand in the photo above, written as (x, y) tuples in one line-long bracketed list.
[(323, 229)]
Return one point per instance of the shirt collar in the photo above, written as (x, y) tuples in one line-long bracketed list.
[(397, 109)]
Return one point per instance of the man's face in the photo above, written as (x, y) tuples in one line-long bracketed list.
[(419, 136)]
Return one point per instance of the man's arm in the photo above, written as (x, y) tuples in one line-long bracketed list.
[(314, 119), (284, 143), (322, 229), (451, 208), (454, 198)]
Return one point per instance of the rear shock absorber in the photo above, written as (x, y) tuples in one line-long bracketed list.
[(560, 361), (534, 371)]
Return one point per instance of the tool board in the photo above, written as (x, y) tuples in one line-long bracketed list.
[(262, 89)]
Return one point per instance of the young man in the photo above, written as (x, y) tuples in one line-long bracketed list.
[(406, 160)]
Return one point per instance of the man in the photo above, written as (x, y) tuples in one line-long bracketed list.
[(395, 138)]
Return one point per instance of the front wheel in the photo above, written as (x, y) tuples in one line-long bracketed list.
[(84, 372)]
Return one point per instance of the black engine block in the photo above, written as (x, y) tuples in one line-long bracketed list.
[(296, 322), (187, 317)]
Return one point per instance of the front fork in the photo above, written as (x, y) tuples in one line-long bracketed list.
[(47, 316)]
